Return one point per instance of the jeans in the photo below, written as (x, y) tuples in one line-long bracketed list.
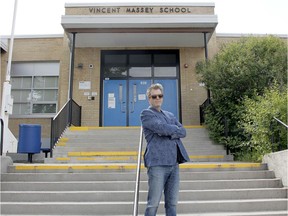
[(162, 178)]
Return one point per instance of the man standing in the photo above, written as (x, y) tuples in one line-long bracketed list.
[(163, 154)]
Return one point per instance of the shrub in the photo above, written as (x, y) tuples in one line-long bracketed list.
[(239, 71), (257, 120)]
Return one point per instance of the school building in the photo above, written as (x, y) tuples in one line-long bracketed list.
[(107, 57)]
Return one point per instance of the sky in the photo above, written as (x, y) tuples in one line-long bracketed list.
[(38, 17)]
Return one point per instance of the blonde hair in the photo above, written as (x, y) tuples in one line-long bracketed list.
[(154, 86)]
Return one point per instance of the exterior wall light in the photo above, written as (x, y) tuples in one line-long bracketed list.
[(80, 66)]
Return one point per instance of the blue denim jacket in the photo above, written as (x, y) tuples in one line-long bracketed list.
[(163, 132)]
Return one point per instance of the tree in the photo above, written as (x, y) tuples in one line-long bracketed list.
[(240, 70)]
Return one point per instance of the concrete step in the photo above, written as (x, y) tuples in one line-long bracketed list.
[(130, 176), (197, 130), (119, 157), (129, 167), (114, 141), (123, 138), (127, 145), (261, 213), (131, 159), (115, 196), (116, 208), (130, 185), (94, 151), (196, 135), (82, 182), (102, 148)]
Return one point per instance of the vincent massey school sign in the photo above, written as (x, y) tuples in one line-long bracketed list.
[(140, 10)]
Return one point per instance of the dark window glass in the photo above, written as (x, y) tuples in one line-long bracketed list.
[(165, 60), (140, 60), (115, 72), (115, 60), (140, 65), (44, 108)]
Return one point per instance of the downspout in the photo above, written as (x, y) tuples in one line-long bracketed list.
[(206, 58), (71, 76)]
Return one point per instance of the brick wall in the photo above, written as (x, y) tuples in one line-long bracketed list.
[(37, 49)]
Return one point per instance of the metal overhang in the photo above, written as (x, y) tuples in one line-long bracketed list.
[(140, 30)]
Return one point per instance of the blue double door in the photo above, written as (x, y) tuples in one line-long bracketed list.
[(123, 100)]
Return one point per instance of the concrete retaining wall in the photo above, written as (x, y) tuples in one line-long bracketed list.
[(278, 162), (5, 162)]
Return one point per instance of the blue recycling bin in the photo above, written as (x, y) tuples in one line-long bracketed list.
[(29, 139)]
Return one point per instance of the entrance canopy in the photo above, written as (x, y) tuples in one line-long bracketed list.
[(140, 30)]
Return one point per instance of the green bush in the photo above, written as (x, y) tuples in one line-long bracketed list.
[(258, 119), (237, 72)]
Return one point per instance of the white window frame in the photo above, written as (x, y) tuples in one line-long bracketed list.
[(32, 70)]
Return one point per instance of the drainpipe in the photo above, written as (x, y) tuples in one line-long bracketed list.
[(71, 76), (206, 58)]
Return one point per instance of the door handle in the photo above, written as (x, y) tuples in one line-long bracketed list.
[(122, 103), (134, 99)]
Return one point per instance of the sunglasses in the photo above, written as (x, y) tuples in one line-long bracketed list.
[(155, 96)]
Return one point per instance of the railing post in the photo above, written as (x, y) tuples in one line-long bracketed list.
[(138, 171), (226, 130), (206, 58), (80, 115), (2, 134), (52, 137), (272, 136), (72, 75), (70, 113)]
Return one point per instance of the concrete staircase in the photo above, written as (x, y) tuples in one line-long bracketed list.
[(93, 173), (90, 145)]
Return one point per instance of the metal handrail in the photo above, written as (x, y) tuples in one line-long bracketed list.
[(277, 134), (136, 195), (2, 133), (60, 111), (280, 122), (69, 114), (202, 108)]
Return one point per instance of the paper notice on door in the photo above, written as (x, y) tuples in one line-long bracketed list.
[(111, 101), (141, 97)]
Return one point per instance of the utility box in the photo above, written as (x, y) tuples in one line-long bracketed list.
[(29, 139)]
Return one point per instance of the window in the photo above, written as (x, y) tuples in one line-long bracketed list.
[(35, 88), (165, 65), (140, 65), (115, 66)]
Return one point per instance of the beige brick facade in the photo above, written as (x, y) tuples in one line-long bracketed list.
[(51, 49), (33, 50), (90, 108)]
